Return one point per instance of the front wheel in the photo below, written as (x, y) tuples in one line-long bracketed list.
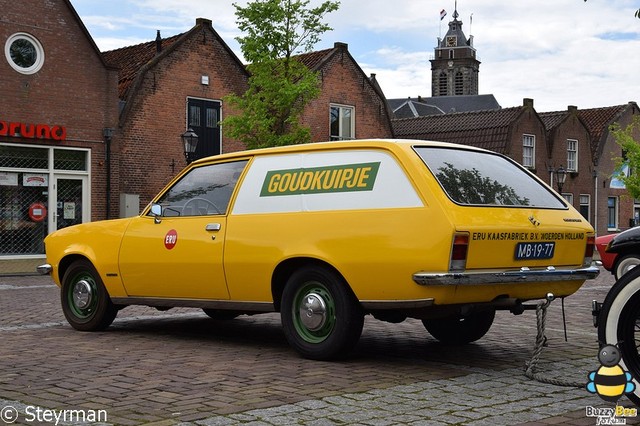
[(85, 301), (619, 324), (321, 318), (460, 330)]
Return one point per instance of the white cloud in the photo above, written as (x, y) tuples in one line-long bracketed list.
[(559, 53)]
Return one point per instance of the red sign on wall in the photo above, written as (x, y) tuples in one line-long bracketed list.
[(33, 131), (37, 212)]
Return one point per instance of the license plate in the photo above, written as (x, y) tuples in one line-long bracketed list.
[(543, 250)]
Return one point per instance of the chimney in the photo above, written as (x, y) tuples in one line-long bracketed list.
[(572, 109), (527, 102), (340, 45), (158, 42)]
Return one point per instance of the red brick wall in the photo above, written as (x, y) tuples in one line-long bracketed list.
[(157, 117), (344, 83)]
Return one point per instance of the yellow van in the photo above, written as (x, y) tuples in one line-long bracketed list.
[(327, 233)]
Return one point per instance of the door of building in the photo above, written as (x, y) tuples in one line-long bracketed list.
[(69, 201), (204, 119)]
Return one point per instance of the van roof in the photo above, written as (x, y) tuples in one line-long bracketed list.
[(390, 144)]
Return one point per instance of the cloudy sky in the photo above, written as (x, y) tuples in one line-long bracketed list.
[(558, 52)]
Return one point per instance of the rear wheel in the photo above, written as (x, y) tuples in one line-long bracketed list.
[(85, 301), (625, 264), (460, 330), (619, 324), (321, 318)]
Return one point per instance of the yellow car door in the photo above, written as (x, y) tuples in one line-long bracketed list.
[(180, 258), (175, 249)]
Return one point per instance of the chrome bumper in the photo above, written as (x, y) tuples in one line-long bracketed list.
[(523, 275), (44, 269)]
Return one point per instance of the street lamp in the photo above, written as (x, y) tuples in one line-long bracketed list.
[(561, 177), (190, 142)]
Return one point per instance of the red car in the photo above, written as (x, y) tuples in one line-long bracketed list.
[(619, 252)]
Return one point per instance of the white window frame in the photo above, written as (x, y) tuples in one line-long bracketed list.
[(568, 196), (529, 145), (572, 155), (585, 200), (341, 136), (35, 43)]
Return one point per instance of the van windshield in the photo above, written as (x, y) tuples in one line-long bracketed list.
[(486, 179)]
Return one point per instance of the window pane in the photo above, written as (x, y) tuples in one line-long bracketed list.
[(212, 118), (479, 178), (194, 115), (204, 190), (335, 123), (611, 212), (24, 158), (69, 160), (346, 124)]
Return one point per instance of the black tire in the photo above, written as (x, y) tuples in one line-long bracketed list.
[(321, 317), (220, 314), (619, 322), (460, 330), (625, 264), (85, 301)]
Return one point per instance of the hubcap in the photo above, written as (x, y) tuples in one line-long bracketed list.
[(82, 294), (313, 312)]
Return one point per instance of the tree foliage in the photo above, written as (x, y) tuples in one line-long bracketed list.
[(280, 85), (628, 165)]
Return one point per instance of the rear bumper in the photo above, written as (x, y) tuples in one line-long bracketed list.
[(524, 275)]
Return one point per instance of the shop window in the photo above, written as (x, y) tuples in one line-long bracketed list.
[(24, 53), (65, 159), (23, 206), (23, 158)]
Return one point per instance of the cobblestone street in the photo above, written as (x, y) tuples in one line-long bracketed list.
[(181, 367)]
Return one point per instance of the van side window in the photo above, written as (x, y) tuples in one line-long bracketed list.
[(205, 190)]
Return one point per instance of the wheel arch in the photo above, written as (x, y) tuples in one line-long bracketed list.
[(287, 267), (67, 261)]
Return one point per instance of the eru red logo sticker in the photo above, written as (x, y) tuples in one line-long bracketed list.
[(170, 239)]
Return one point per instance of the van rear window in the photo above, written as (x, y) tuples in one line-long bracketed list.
[(486, 179)]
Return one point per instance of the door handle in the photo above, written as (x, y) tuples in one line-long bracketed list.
[(212, 227)]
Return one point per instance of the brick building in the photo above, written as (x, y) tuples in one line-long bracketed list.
[(165, 87), (60, 102)]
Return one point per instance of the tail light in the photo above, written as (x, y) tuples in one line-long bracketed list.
[(459, 250), (588, 251)]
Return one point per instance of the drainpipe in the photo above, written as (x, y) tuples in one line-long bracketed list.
[(595, 201), (107, 133)]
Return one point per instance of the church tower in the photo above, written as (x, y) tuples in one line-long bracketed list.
[(454, 69)]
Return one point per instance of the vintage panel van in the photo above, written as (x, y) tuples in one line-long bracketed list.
[(327, 233)]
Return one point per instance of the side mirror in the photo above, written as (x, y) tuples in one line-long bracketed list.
[(156, 212)]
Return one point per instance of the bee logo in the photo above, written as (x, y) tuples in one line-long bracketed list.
[(610, 381)]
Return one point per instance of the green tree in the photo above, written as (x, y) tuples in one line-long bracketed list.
[(628, 165), (280, 85)]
